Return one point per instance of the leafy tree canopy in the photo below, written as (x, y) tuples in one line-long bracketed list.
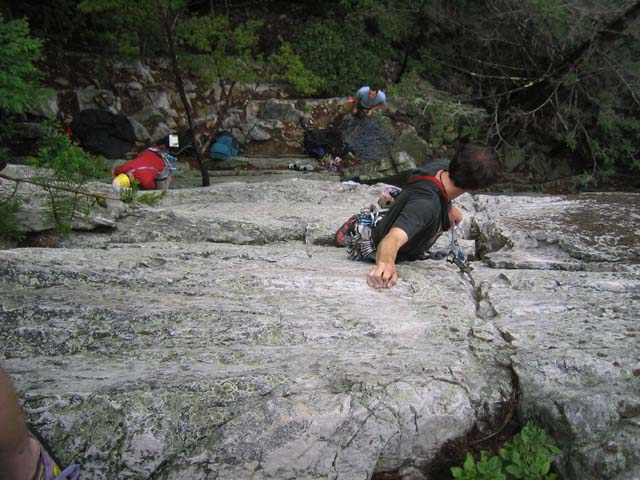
[(341, 54), (19, 76), (562, 75)]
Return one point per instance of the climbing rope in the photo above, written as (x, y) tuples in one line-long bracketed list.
[(368, 138)]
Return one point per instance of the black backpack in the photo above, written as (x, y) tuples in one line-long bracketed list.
[(320, 141), (178, 143), (103, 133)]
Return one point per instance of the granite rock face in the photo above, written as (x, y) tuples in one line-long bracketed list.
[(36, 214), (564, 292), (220, 335)]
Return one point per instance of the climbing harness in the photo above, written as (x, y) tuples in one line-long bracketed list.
[(169, 162), (456, 255)]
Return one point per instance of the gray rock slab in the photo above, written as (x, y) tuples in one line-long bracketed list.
[(594, 231), (266, 162), (227, 361), (35, 213), (219, 335), (564, 291)]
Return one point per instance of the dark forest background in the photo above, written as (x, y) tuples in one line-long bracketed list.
[(558, 78)]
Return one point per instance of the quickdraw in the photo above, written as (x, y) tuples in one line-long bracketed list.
[(359, 240), (456, 255)]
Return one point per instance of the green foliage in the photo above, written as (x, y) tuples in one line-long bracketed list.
[(442, 124), (569, 140), (150, 198), (64, 169), (549, 9), (128, 195), (128, 28), (551, 18), (438, 119), (289, 67), (527, 456), (616, 141), (429, 67), (57, 21), (342, 55), (131, 195), (10, 227), (213, 50), (408, 87), (67, 160), (305, 107), (488, 468), (356, 4), (207, 47), (19, 76)]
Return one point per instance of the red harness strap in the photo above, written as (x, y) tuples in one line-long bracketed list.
[(429, 178)]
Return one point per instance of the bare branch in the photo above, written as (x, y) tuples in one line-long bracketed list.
[(58, 187), (478, 75), (622, 79), (497, 124)]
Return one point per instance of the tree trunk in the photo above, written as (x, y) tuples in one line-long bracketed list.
[(183, 96), (223, 113)]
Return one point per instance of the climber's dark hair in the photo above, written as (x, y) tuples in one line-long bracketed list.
[(474, 167)]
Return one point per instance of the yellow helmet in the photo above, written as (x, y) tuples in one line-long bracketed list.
[(121, 181)]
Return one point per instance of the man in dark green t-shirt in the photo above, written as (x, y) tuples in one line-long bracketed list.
[(423, 211)]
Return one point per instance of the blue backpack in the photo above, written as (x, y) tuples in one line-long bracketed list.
[(224, 147)]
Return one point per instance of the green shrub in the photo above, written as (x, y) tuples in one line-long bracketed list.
[(616, 141), (437, 118), (19, 76), (64, 171), (10, 227), (289, 67), (488, 468), (342, 55), (527, 456), (68, 161), (150, 198)]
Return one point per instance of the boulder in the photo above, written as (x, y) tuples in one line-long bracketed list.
[(91, 97), (399, 164), (35, 214), (141, 133), (137, 70), (157, 100), (282, 110), (413, 145), (49, 108)]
